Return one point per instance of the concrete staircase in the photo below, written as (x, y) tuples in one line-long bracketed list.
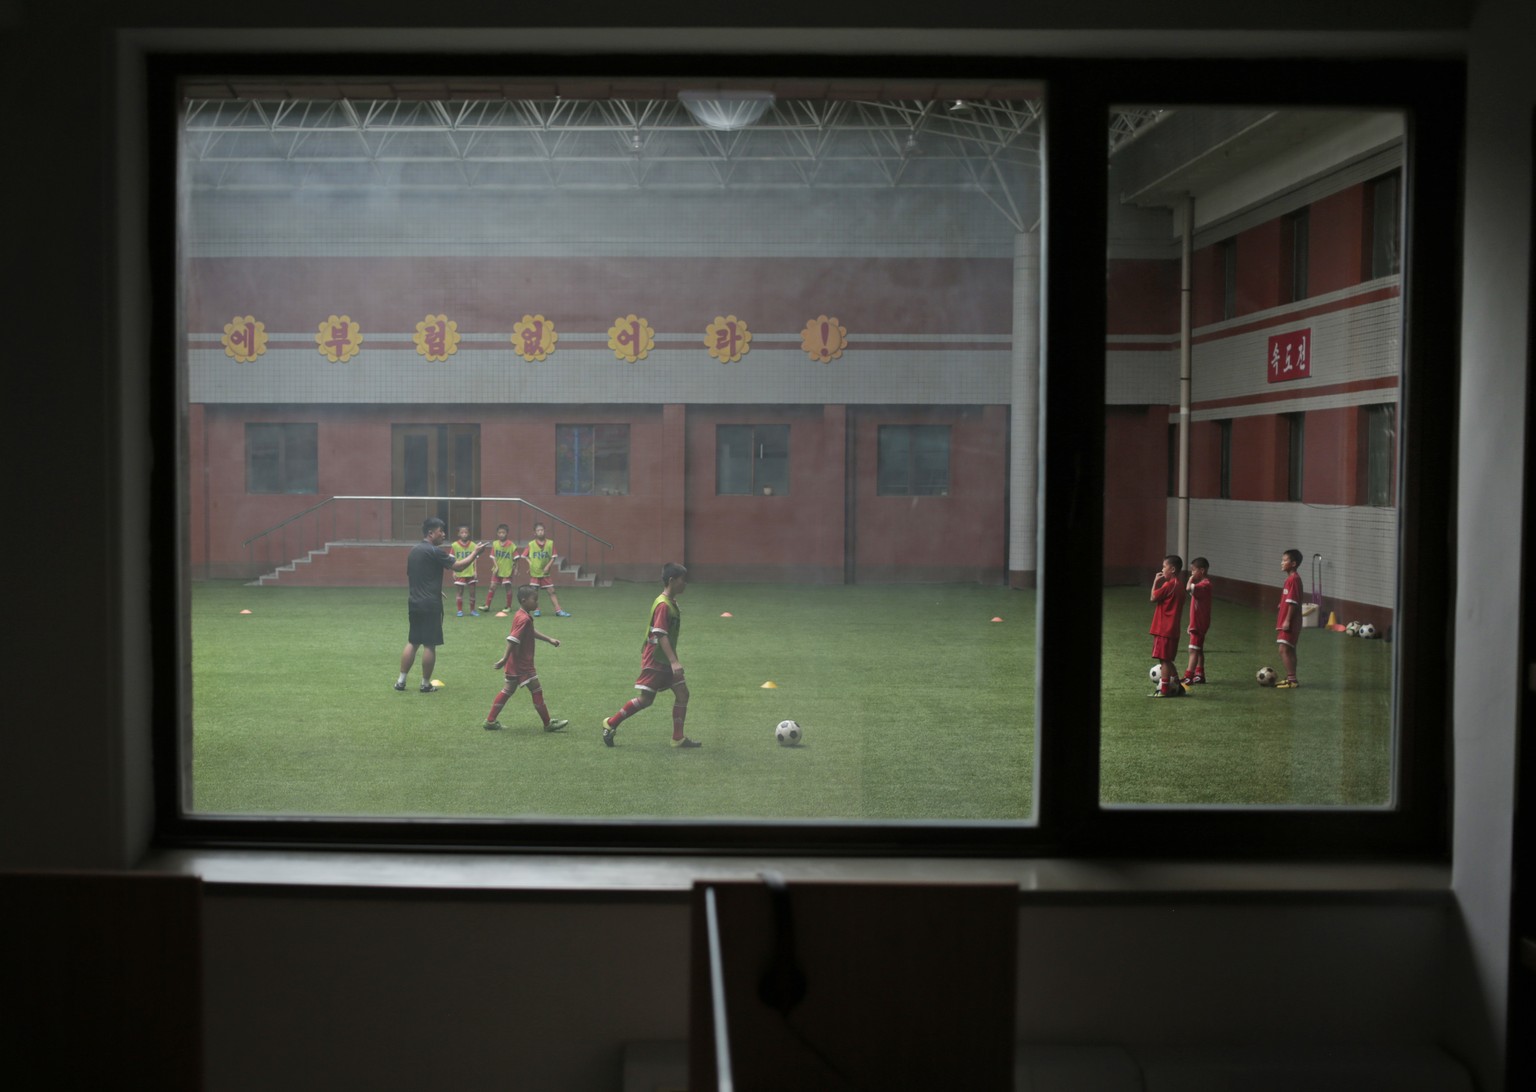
[(381, 564)]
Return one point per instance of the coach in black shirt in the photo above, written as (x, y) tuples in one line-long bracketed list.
[(424, 568)]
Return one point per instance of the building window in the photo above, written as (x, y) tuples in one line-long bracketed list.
[(1381, 455), (1225, 489), (1296, 442), (282, 458), (1385, 226), (1229, 278), (752, 460), (914, 461), (1296, 227), (592, 460)]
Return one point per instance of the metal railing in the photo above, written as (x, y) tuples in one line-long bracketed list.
[(398, 519)]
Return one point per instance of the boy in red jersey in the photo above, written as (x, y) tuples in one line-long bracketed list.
[(517, 663), (464, 578), (1288, 618), (659, 667), (1167, 599), (1199, 591)]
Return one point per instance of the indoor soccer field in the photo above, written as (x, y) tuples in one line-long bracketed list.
[(917, 703)]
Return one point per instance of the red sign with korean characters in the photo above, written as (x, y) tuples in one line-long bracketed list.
[(1290, 356)]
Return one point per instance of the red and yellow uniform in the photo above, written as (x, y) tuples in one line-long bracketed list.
[(655, 670), (461, 550), (540, 555)]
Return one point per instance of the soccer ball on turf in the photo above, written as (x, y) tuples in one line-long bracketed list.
[(1153, 674), (1367, 630), (1353, 629), (1266, 676), (788, 733)]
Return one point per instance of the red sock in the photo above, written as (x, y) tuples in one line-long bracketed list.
[(496, 706), (679, 712), (538, 703), (631, 707), (460, 602)]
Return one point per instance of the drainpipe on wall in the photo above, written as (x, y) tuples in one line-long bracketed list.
[(1185, 279)]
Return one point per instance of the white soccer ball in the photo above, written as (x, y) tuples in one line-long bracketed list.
[(1367, 630), (788, 733), (1266, 676), (1153, 674), (1353, 629)]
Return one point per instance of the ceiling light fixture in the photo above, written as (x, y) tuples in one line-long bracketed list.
[(726, 110)]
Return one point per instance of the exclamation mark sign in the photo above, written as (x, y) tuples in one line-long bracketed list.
[(826, 352)]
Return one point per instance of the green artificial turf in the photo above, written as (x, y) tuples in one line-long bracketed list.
[(915, 705)]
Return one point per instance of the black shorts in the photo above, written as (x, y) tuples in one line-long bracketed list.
[(426, 625)]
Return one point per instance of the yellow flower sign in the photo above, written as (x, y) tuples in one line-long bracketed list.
[(727, 339), (339, 339), (823, 339), (534, 337), (437, 337), (244, 338), (631, 337)]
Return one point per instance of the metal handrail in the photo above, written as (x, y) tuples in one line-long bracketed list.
[(587, 537)]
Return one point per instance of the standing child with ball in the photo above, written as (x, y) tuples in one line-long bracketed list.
[(517, 663), (659, 666), (1288, 618), (1167, 599)]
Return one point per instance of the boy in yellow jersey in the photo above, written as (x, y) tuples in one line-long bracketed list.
[(541, 554), (659, 666), (503, 562), (464, 578)]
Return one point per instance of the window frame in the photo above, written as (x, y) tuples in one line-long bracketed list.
[(592, 431), (1070, 818), (755, 460), (284, 431), (1295, 457), (911, 431)]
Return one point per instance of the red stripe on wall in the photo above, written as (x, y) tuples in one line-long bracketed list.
[(1294, 392)]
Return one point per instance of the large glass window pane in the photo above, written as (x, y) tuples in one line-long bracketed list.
[(1252, 208), (639, 323)]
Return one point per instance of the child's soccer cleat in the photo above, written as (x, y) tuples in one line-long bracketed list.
[(1287, 684), (428, 688), (460, 614), (474, 614), (608, 731), (1198, 680), (399, 686), (556, 725), (562, 614), (538, 613), (685, 743), (492, 726)]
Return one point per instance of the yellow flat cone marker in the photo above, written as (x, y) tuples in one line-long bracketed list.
[(245, 612), (997, 619), (769, 685), (727, 614), (439, 683), (501, 614)]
